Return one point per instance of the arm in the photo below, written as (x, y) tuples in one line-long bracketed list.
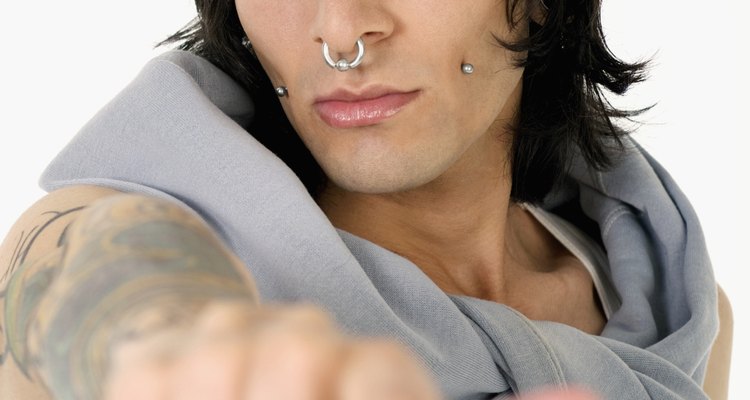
[(716, 383), (34, 236), (129, 297), (87, 278)]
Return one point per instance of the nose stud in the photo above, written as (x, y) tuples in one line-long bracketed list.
[(343, 64)]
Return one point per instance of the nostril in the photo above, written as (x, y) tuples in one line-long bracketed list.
[(374, 36)]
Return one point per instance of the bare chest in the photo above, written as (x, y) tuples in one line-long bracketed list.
[(566, 295)]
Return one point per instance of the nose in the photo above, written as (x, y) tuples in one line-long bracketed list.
[(340, 23)]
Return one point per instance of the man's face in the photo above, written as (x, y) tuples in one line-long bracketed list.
[(407, 114)]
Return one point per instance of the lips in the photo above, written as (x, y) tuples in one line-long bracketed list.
[(347, 110)]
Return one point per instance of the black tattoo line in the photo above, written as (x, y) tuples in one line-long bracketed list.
[(19, 256), (16, 254)]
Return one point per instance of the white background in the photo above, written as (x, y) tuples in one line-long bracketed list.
[(62, 60)]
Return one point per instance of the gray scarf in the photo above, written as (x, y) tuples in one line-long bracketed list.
[(176, 132)]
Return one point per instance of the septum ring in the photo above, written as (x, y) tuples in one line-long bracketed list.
[(342, 64)]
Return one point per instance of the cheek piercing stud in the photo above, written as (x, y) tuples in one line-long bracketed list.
[(281, 91), (467, 69), (246, 43)]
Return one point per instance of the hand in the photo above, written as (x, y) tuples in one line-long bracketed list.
[(556, 394), (290, 353)]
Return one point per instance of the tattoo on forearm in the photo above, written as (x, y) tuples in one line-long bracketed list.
[(127, 268), (26, 241), (36, 273), (14, 263), (23, 295)]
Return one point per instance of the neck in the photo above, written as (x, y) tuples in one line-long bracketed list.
[(457, 228)]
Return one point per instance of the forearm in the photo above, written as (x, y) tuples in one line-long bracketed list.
[(128, 269)]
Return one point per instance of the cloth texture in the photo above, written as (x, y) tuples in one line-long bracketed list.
[(177, 132)]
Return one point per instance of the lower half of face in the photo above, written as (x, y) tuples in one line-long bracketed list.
[(408, 113)]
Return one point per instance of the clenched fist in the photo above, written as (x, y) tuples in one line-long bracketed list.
[(236, 351)]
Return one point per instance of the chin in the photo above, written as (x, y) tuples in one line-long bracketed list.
[(372, 185), (380, 167), (380, 180)]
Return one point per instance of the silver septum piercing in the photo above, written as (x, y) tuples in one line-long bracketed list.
[(467, 69), (544, 5), (282, 91), (342, 64)]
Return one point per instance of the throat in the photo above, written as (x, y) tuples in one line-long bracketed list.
[(505, 268), (466, 246), (506, 257)]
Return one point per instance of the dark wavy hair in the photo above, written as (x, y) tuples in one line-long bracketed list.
[(563, 111)]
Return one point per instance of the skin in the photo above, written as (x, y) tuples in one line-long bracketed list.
[(410, 46), (432, 182), (117, 296), (197, 333)]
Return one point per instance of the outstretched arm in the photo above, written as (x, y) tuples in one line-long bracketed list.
[(126, 269), (119, 296), (33, 240)]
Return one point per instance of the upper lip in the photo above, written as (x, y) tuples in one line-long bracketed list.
[(369, 93)]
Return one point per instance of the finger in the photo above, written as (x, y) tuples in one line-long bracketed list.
[(142, 368), (294, 356), (213, 362), (136, 376), (382, 369), (230, 342), (561, 394)]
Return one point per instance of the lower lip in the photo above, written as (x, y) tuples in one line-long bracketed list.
[(352, 114)]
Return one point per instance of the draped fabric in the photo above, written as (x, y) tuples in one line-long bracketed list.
[(177, 132)]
